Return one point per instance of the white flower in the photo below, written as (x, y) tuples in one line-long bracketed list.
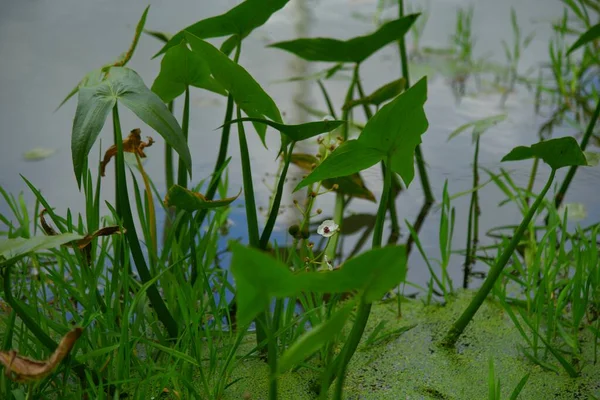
[(328, 228)]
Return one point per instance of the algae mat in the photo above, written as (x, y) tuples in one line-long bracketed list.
[(411, 366)]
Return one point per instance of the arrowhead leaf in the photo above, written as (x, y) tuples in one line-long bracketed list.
[(184, 199), (96, 102), (246, 92), (557, 153), (240, 20), (396, 129), (350, 157), (590, 35), (180, 68), (354, 50), (299, 132)]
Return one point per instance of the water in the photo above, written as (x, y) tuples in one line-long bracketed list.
[(46, 47)]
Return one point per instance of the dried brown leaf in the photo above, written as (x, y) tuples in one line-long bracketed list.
[(132, 144), (22, 369)]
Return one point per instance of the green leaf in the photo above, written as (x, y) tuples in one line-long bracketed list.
[(96, 76), (381, 95), (314, 339), (350, 157), (240, 20), (246, 92), (479, 126), (96, 102), (355, 50), (260, 277), (296, 133), (162, 36), (557, 153), (396, 129), (13, 249), (93, 106), (185, 199), (590, 35), (180, 68), (352, 185)]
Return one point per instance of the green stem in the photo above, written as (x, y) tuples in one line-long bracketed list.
[(327, 99), (218, 170), (364, 309), (560, 195), (534, 168), (462, 322), (251, 216), (185, 123), (125, 215), (473, 216), (169, 170), (429, 198), (266, 235)]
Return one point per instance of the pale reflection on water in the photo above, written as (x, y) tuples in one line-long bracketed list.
[(46, 47)]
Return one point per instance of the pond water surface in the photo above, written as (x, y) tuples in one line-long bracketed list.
[(47, 47)]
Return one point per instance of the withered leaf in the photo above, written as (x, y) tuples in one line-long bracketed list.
[(185, 199), (132, 144), (22, 369), (351, 185)]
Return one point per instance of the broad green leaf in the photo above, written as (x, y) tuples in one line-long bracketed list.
[(590, 35), (13, 249), (246, 92), (240, 20), (257, 277), (96, 102), (381, 95), (93, 106), (260, 277), (180, 68), (96, 76), (396, 129), (297, 132), (349, 158), (313, 340), (557, 153), (185, 199), (355, 50), (352, 185), (479, 126)]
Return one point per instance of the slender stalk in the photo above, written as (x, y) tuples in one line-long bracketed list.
[(462, 322), (534, 168), (364, 309), (472, 234), (327, 99), (217, 171), (185, 123), (151, 210), (251, 216), (125, 215), (429, 198), (560, 195), (266, 235), (169, 170)]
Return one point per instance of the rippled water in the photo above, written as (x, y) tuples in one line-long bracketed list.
[(46, 47)]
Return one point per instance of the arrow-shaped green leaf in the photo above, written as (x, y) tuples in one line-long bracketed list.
[(557, 153), (180, 68), (354, 50)]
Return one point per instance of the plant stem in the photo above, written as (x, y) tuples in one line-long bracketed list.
[(266, 235), (462, 322), (472, 229), (169, 173), (534, 168), (185, 123), (560, 195), (125, 214), (418, 154), (151, 210), (364, 309)]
